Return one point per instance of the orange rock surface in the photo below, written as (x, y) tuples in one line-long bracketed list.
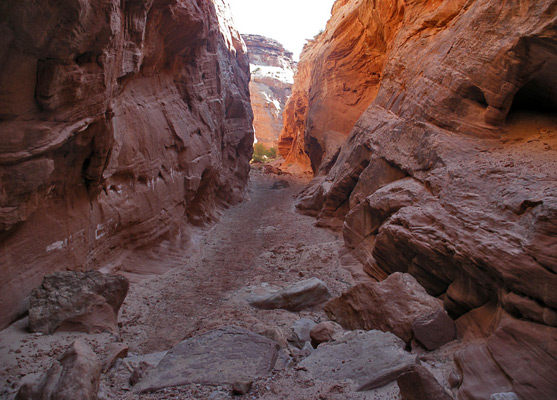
[(119, 122), (444, 164)]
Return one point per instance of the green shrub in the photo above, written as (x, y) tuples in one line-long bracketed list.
[(262, 153)]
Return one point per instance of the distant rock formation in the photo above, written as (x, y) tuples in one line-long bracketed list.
[(272, 75), (119, 122), (431, 128)]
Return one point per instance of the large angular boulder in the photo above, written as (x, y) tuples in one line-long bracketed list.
[(75, 375), (77, 301), (304, 294), (222, 356), (370, 359), (391, 305)]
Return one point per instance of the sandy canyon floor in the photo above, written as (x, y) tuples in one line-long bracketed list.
[(180, 293)]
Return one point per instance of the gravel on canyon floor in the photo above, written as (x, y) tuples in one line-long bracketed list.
[(182, 292)]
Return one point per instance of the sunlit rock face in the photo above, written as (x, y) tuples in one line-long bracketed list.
[(272, 75), (450, 171), (338, 77), (119, 122)]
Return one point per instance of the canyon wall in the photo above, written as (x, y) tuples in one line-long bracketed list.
[(445, 166), (120, 123), (272, 75), (337, 79)]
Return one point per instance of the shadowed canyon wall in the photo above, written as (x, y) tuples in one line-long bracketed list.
[(119, 122), (431, 127), (272, 73)]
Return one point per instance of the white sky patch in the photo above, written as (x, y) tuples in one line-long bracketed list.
[(290, 22)]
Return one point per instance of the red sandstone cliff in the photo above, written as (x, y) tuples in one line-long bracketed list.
[(272, 70), (119, 122), (445, 165)]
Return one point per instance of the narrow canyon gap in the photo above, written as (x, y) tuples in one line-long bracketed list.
[(430, 131)]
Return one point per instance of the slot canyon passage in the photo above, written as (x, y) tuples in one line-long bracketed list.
[(403, 245)]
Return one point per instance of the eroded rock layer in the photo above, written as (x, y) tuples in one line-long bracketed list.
[(119, 121), (272, 73), (450, 173)]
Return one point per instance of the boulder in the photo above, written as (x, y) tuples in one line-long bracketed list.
[(434, 330), (75, 375), (77, 301), (301, 332), (419, 384), (324, 332), (302, 295), (222, 356), (370, 359), (391, 305)]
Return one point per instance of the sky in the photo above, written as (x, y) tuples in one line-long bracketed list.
[(290, 22)]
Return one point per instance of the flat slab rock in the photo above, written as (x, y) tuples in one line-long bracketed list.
[(222, 356), (371, 359), (304, 294)]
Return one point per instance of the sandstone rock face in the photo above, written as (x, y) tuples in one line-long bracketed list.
[(337, 79), (76, 375), (272, 75), (119, 121), (450, 173), (521, 357), (77, 301), (391, 306)]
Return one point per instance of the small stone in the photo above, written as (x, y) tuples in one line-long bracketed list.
[(139, 372), (241, 387), (454, 380), (300, 332), (282, 184), (324, 332)]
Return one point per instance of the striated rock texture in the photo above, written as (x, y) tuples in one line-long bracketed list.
[(338, 77), (119, 121), (272, 75), (450, 174)]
